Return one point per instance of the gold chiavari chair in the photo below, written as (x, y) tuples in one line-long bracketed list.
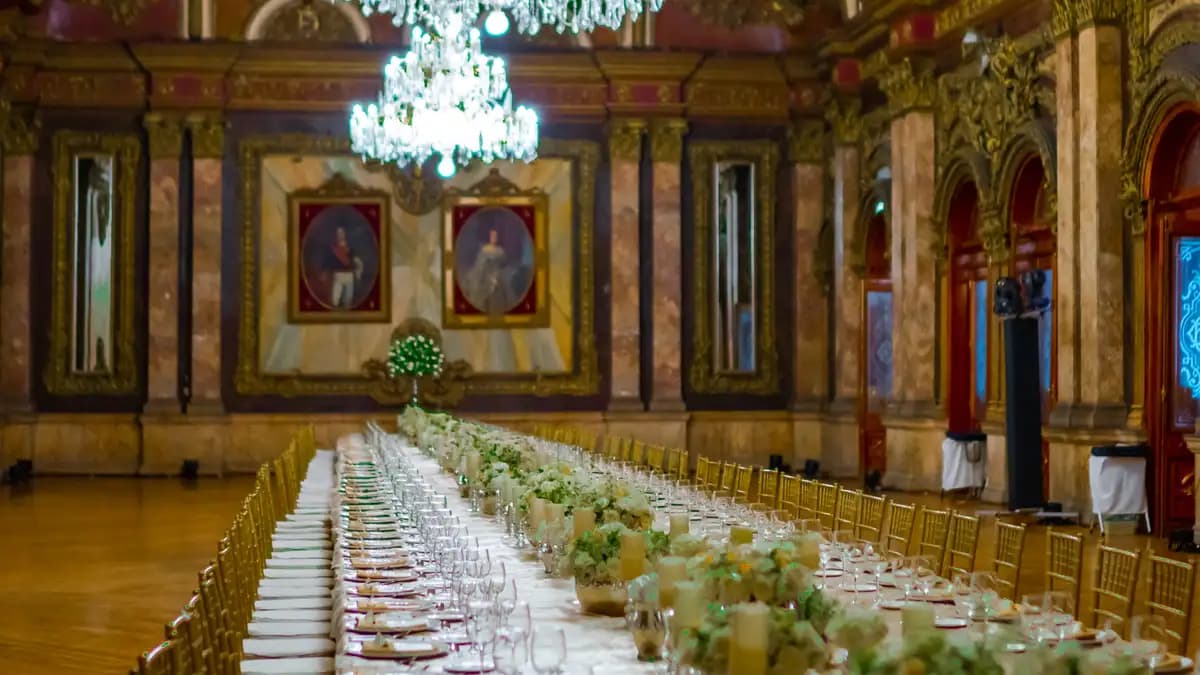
[(713, 481), (726, 480), (849, 504), (767, 494), (961, 545), (655, 455), (1064, 562), (742, 478), (159, 661), (789, 496), (1172, 584), (217, 618), (1116, 578), (807, 510), (279, 491), (672, 466), (935, 527), (1010, 544), (684, 469), (612, 447), (871, 510), (201, 635), (900, 526), (190, 649), (702, 463), (827, 494)]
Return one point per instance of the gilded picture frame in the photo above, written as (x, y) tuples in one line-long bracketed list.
[(495, 256), (339, 269), (75, 367), (704, 377)]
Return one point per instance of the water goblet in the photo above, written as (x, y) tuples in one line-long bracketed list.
[(1145, 638), (549, 650)]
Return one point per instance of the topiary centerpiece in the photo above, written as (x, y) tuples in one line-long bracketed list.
[(414, 356)]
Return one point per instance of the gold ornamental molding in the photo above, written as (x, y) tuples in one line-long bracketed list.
[(164, 132), (444, 391), (666, 140), (625, 139), (208, 134), (123, 12), (806, 141), (845, 118), (739, 87), (21, 130), (909, 85), (583, 380)]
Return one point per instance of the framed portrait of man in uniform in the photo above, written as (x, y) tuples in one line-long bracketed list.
[(338, 249), (495, 257)]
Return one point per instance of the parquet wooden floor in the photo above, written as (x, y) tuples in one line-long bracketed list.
[(91, 569)]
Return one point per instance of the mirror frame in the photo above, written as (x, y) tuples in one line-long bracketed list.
[(704, 157), (122, 378)]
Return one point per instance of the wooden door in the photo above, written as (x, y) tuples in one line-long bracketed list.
[(875, 375)]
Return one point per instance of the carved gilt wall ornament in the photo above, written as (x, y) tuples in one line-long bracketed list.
[(666, 140), (1062, 19), (309, 21), (704, 377), (1099, 12), (738, 13), (123, 12), (99, 204), (21, 130), (994, 235), (909, 85), (164, 132), (443, 391), (249, 380), (208, 135), (806, 141), (416, 191), (845, 117), (625, 139)]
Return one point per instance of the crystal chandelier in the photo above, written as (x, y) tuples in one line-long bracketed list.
[(444, 97), (530, 15)]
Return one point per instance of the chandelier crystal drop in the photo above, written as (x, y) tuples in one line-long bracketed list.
[(576, 16), (444, 97)]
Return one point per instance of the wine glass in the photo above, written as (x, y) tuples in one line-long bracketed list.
[(549, 650), (1033, 616), (1145, 637), (510, 652), (1061, 606)]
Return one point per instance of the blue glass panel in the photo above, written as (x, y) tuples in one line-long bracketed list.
[(879, 348), (1046, 335), (981, 336), (1187, 286)]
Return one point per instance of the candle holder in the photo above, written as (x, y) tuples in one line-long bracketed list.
[(649, 629), (487, 504), (603, 599)]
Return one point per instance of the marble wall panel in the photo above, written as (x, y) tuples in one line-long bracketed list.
[(839, 447), (626, 322), (162, 301), (15, 382), (86, 444), (810, 367), (169, 440), (847, 284), (206, 284), (920, 310), (745, 437), (997, 468), (901, 216), (1066, 280), (914, 456), (667, 391)]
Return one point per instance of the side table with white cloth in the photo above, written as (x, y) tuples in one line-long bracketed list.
[(964, 462), (1117, 476)]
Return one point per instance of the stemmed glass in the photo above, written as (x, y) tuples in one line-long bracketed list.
[(482, 625), (549, 650), (1061, 606), (1145, 638), (1033, 616)]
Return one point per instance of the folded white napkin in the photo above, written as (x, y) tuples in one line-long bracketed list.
[(288, 629), (312, 665), (274, 648), (325, 603), (298, 573), (292, 615)]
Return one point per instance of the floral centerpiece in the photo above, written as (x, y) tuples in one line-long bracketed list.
[(768, 572), (414, 356), (594, 560), (615, 502), (793, 644)]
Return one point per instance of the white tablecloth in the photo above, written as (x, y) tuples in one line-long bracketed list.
[(957, 471), (1118, 485)]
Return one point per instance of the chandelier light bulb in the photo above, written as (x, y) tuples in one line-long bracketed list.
[(576, 16), (496, 23), (445, 167)]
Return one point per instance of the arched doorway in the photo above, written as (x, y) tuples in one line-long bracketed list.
[(1033, 246), (968, 307), (1173, 313), (875, 378)]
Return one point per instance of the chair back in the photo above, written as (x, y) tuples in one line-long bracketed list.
[(935, 528), (846, 514), (900, 526), (768, 487), (1064, 562), (827, 495), (1172, 584), (961, 545), (808, 499), (1010, 544), (158, 661), (1116, 578), (728, 474), (742, 479), (871, 511), (655, 454), (702, 463), (789, 495)]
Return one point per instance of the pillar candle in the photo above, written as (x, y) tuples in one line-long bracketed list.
[(556, 514), (671, 570), (537, 513), (916, 617), (750, 626), (808, 550), (679, 524), (585, 519), (689, 604), (741, 535), (633, 554), (473, 461)]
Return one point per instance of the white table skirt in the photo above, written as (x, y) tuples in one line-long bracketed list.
[(1118, 485), (957, 471)]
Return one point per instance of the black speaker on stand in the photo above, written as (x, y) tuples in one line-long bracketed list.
[(1023, 404)]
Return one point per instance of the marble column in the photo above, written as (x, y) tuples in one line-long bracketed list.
[(1100, 226), (207, 132), (20, 140), (666, 152), (165, 135), (847, 273), (1066, 282), (625, 148), (810, 315)]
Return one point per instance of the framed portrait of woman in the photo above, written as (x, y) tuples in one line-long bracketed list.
[(494, 258), (338, 246)]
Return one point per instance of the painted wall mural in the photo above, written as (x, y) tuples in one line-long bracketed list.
[(507, 273)]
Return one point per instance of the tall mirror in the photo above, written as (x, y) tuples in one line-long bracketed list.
[(734, 267), (92, 249)]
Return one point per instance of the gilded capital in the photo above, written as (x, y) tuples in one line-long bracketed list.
[(909, 86), (994, 235), (20, 132), (806, 141), (666, 140), (625, 139), (165, 134), (1099, 12), (208, 135), (845, 117)]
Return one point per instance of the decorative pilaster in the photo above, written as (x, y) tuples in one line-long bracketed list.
[(1067, 282), (208, 142), (847, 282), (810, 311), (909, 85), (666, 154), (20, 139), (624, 146), (165, 135)]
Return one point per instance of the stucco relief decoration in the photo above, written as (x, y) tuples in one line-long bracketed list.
[(310, 21), (737, 13)]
